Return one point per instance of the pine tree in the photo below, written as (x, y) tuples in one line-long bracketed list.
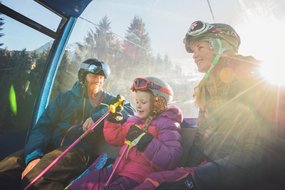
[(1, 28), (98, 42), (137, 43), (104, 39)]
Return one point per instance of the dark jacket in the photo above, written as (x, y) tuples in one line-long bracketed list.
[(234, 135), (60, 125)]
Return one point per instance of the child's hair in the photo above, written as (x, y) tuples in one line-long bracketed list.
[(159, 106)]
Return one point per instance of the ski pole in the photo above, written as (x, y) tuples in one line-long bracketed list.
[(116, 166), (112, 109), (130, 145)]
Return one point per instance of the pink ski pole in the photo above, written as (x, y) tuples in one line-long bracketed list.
[(112, 109), (130, 144), (66, 150), (116, 166)]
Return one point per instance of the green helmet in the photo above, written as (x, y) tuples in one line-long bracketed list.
[(205, 31)]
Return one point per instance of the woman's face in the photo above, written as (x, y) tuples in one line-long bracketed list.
[(144, 103), (202, 55)]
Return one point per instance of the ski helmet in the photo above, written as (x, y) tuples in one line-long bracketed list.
[(155, 85), (205, 31), (93, 66)]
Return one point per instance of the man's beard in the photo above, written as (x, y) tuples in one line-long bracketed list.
[(94, 90)]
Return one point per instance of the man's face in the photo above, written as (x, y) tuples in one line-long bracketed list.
[(202, 55), (94, 83)]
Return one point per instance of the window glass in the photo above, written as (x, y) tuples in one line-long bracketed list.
[(126, 37), (23, 56), (34, 11), (145, 38)]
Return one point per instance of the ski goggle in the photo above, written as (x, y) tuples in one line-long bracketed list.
[(198, 27), (96, 68), (144, 84)]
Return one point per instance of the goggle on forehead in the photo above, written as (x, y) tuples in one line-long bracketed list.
[(197, 28), (144, 84), (97, 68)]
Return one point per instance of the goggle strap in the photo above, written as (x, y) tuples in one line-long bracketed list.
[(216, 58), (84, 66), (166, 90)]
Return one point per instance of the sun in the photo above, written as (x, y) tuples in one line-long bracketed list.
[(262, 35), (273, 74)]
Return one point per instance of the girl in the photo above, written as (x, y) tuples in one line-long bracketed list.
[(150, 141)]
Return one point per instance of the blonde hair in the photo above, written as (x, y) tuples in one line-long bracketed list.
[(159, 106)]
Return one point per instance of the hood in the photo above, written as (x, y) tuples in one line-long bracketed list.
[(174, 113)]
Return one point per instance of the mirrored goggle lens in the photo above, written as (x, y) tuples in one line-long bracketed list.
[(140, 84), (94, 69), (143, 84), (197, 28)]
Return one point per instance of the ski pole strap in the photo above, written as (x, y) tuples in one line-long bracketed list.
[(133, 143), (112, 107)]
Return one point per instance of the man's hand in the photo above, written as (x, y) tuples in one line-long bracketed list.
[(116, 116), (87, 124), (30, 166)]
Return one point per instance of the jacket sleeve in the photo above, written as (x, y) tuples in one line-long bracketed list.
[(115, 133), (165, 151), (40, 134)]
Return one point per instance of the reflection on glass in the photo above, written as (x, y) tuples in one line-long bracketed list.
[(23, 55), (145, 38), (34, 11)]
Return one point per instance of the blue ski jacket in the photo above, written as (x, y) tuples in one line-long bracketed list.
[(60, 124)]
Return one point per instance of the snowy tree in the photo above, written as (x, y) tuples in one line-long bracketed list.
[(137, 43), (1, 28)]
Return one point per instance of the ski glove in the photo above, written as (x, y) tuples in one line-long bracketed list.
[(116, 117), (183, 184), (134, 132)]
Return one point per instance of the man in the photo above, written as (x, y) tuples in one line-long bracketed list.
[(63, 121), (236, 145)]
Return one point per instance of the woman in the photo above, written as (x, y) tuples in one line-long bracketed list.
[(232, 145)]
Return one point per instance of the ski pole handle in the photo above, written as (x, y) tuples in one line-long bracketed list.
[(112, 107)]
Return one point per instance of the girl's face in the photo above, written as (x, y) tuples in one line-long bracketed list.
[(202, 55), (144, 103)]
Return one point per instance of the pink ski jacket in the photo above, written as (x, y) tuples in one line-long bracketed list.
[(162, 153)]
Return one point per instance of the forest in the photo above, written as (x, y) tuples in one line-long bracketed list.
[(129, 57)]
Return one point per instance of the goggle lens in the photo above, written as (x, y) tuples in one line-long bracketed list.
[(144, 84), (94, 69), (197, 28), (97, 68)]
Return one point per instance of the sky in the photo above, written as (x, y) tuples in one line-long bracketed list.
[(260, 24)]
